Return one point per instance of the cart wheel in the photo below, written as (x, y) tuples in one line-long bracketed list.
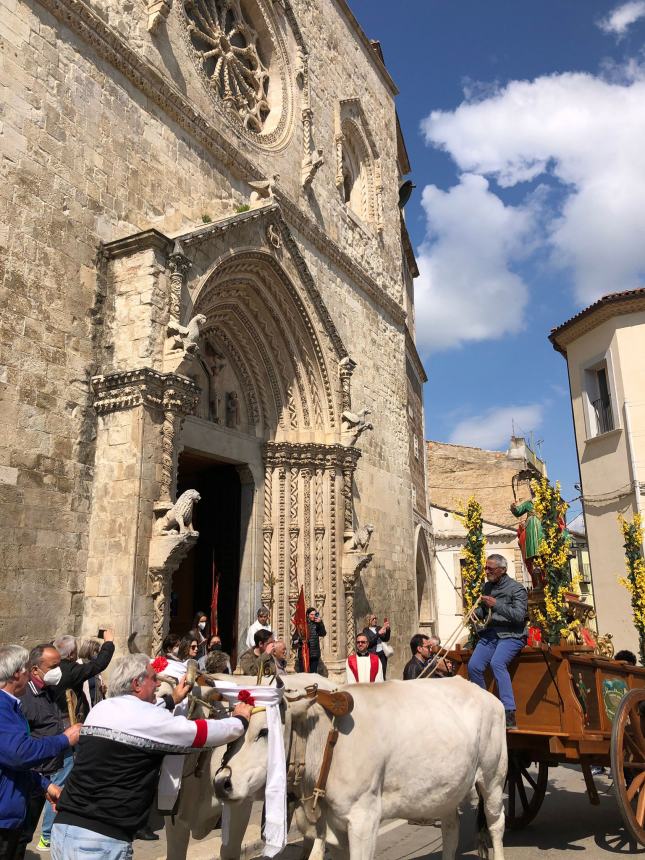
[(525, 789), (628, 762)]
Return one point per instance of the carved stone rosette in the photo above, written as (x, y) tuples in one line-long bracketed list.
[(303, 531)]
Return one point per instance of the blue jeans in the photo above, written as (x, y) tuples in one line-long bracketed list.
[(496, 653), (77, 843), (58, 778)]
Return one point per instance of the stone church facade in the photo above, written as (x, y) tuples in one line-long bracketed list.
[(207, 366)]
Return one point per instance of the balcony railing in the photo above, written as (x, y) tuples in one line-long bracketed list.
[(604, 417)]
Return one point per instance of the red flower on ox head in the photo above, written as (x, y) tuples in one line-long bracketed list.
[(159, 664), (246, 698)]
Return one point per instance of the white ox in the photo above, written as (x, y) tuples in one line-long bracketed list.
[(409, 749), (198, 809)]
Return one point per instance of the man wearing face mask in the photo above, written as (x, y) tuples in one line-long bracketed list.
[(45, 720), (20, 752)]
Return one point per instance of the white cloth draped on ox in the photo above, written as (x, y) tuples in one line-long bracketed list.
[(275, 792), (130, 721)]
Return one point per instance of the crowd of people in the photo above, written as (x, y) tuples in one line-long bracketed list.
[(111, 771)]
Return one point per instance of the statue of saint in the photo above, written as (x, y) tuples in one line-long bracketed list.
[(529, 533)]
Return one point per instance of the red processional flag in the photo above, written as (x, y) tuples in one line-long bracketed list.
[(214, 597), (299, 621)]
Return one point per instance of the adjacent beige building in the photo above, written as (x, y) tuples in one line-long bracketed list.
[(207, 292), (604, 346)]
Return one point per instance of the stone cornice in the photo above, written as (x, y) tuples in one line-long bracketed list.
[(413, 355), (310, 454), (113, 48), (144, 387), (136, 242)]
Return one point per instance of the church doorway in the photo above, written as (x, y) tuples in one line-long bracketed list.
[(216, 556)]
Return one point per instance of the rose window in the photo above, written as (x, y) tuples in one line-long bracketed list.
[(229, 48)]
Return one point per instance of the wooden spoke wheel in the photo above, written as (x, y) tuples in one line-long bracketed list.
[(628, 762), (525, 788)]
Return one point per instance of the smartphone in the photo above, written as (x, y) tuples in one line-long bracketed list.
[(101, 633)]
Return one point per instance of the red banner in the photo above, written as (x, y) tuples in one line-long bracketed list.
[(299, 621), (214, 597)]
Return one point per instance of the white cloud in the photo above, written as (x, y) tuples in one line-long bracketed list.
[(585, 132), (492, 429), (464, 266), (622, 17)]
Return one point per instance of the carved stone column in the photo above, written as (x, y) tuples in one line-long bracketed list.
[(178, 401), (178, 266), (345, 370), (319, 535), (294, 531), (308, 486), (267, 537)]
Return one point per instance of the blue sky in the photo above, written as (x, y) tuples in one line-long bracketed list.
[(525, 126)]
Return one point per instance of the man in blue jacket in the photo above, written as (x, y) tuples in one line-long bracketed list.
[(19, 752), (504, 636)]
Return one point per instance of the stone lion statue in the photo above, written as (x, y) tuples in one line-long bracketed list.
[(180, 516)]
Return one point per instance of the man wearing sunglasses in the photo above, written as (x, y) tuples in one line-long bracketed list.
[(505, 634)]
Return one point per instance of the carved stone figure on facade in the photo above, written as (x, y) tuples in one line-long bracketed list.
[(193, 333), (263, 191), (179, 519), (273, 237), (182, 342), (354, 423), (232, 409), (360, 540), (216, 406)]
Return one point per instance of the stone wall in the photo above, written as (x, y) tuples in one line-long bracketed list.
[(109, 130), (455, 472)]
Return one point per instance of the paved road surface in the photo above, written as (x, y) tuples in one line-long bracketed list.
[(567, 827)]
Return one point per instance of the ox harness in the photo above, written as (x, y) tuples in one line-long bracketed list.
[(336, 704)]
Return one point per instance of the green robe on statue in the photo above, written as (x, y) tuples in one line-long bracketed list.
[(533, 534)]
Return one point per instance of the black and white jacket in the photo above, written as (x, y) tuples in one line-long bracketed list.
[(118, 761)]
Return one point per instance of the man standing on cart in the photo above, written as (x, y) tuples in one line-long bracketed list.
[(504, 635)]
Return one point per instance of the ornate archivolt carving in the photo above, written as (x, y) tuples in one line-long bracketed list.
[(239, 292)]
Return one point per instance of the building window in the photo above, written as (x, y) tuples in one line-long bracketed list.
[(598, 392)]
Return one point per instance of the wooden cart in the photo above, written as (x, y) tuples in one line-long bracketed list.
[(574, 708)]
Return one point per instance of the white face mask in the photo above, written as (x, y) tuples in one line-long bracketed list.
[(53, 676), (202, 625)]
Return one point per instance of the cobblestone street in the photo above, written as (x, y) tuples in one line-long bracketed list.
[(567, 827)]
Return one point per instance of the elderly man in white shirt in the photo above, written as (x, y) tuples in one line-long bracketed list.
[(261, 624), (363, 667)]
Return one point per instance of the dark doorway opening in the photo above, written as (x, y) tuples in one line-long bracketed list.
[(217, 519)]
